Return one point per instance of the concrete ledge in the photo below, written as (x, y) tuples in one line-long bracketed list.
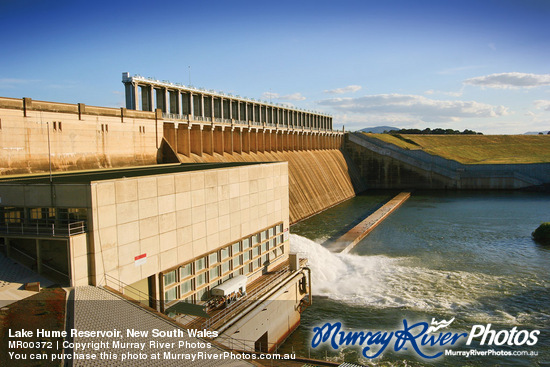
[(349, 240)]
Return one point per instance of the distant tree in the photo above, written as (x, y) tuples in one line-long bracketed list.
[(541, 133), (436, 131)]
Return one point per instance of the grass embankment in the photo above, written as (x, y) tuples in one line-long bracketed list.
[(477, 149)]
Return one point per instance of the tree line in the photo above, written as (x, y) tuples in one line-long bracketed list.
[(436, 131)]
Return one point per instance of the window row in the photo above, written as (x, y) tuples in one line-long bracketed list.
[(242, 257)]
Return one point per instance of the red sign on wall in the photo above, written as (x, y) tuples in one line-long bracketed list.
[(140, 259)]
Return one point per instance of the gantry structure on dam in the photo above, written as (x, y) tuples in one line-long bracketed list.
[(197, 121), (185, 102)]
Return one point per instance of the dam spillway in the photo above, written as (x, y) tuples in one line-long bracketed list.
[(318, 179), (350, 239)]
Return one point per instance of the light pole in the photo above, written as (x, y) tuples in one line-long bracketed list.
[(49, 146), (49, 151)]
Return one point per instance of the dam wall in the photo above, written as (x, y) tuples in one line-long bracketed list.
[(385, 165), (34, 134), (318, 179), (321, 174)]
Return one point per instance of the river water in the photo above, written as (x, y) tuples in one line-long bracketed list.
[(441, 255)]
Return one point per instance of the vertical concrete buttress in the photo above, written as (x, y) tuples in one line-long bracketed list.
[(196, 139), (228, 140), (237, 140), (218, 139), (184, 143), (207, 139), (246, 140)]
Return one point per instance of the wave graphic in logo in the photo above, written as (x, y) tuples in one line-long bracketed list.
[(436, 325)]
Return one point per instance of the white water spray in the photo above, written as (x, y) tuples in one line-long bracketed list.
[(382, 281)]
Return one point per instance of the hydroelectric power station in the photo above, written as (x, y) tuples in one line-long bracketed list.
[(182, 200)]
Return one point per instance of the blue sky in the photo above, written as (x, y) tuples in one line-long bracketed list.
[(481, 65)]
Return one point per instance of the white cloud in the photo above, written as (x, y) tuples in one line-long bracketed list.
[(348, 89), (414, 107), (542, 104), (286, 97), (510, 80)]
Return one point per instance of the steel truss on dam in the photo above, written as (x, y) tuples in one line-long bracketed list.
[(181, 102)]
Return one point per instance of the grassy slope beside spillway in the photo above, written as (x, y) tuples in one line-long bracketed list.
[(477, 149)]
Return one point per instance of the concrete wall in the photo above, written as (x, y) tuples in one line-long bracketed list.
[(176, 217), (321, 175), (278, 316), (79, 253), (385, 165), (318, 179), (73, 136)]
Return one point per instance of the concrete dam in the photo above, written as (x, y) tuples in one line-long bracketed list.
[(187, 126), (387, 166)]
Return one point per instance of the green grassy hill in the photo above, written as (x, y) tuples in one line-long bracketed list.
[(477, 149)]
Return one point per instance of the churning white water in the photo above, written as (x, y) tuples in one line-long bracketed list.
[(382, 281)]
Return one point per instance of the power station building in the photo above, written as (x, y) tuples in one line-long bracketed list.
[(164, 235)]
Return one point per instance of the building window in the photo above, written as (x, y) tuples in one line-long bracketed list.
[(226, 266), (200, 264), (200, 279), (185, 271), (214, 273), (271, 232), (224, 253), (255, 239), (213, 259), (236, 248), (256, 251), (246, 256), (246, 243), (170, 278), (236, 261), (186, 287), (170, 295)]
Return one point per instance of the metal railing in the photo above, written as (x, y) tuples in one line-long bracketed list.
[(222, 120), (61, 230), (231, 310), (138, 296)]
